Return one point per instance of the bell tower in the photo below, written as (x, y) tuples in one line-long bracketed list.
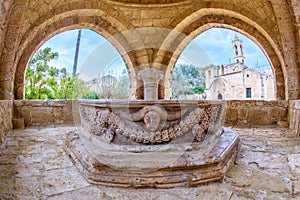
[(238, 50)]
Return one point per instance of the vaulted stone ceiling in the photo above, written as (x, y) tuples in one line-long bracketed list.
[(273, 24)]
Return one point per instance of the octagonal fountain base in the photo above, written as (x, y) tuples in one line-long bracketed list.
[(188, 167)]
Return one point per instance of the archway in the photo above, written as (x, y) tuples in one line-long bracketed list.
[(56, 25), (217, 90), (220, 97), (205, 19), (66, 76), (219, 53)]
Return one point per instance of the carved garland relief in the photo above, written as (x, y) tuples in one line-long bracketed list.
[(151, 124)]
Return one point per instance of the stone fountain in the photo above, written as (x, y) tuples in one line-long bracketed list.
[(151, 142)]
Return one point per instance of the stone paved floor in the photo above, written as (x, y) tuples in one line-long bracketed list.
[(33, 165)]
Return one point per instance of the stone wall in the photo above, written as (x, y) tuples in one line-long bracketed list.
[(294, 116), (257, 113), (38, 112), (5, 119), (239, 112)]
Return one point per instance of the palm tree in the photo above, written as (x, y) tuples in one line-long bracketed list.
[(76, 52)]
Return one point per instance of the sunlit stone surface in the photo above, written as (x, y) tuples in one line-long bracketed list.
[(34, 165)]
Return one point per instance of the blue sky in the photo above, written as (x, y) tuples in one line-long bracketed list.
[(65, 44), (216, 42), (98, 56)]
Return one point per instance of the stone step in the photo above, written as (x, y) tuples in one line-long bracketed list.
[(18, 123)]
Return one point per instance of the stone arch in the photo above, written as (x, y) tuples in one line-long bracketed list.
[(5, 9), (207, 18), (217, 88), (220, 97), (92, 19)]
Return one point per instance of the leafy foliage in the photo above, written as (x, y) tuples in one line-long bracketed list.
[(45, 82), (187, 80)]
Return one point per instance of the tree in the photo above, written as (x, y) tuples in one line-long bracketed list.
[(40, 78), (111, 86), (66, 85), (106, 87), (187, 80), (76, 52), (45, 82), (122, 89)]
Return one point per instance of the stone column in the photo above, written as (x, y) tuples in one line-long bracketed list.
[(150, 78)]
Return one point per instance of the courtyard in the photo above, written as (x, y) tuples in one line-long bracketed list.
[(34, 165), (149, 35)]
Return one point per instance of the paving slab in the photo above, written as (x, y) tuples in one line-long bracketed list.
[(33, 165)]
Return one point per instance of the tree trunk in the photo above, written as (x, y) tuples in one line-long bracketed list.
[(76, 53)]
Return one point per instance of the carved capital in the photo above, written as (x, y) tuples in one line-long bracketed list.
[(150, 78)]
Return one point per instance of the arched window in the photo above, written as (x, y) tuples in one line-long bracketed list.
[(236, 50), (242, 52), (220, 97), (209, 74)]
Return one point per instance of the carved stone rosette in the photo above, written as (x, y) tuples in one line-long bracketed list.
[(151, 124)]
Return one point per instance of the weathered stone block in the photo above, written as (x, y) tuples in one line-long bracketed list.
[(283, 124), (34, 103), (279, 114), (58, 115), (17, 112), (239, 176), (243, 114), (41, 115), (5, 119), (294, 116), (18, 123), (270, 181), (68, 114), (56, 103), (231, 115), (18, 103), (25, 113), (282, 103), (259, 117)]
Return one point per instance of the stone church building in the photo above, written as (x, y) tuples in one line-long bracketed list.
[(237, 80), (150, 35)]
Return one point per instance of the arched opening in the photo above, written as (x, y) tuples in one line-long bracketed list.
[(236, 50), (216, 43), (205, 19), (242, 52), (220, 97), (77, 66), (64, 21)]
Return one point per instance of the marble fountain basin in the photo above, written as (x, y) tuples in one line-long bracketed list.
[(152, 143)]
